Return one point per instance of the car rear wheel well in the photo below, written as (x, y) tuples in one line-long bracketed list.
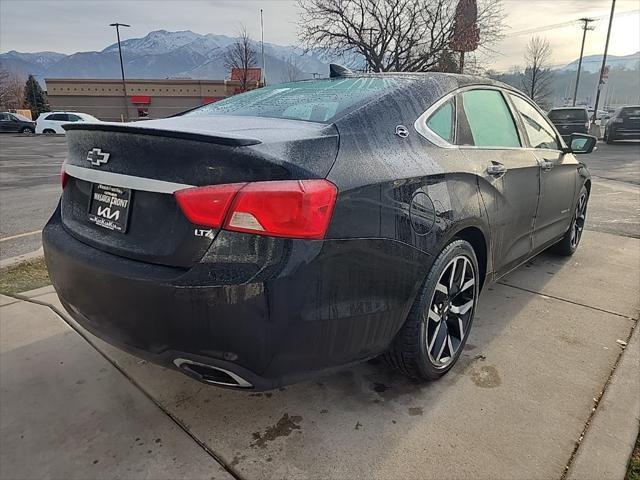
[(476, 238)]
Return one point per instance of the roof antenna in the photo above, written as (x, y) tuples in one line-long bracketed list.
[(336, 70)]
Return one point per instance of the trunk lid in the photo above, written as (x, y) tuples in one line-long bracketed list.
[(119, 197)]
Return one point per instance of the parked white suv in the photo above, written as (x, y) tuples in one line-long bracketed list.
[(51, 122)]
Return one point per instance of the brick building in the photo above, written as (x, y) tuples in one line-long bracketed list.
[(146, 99)]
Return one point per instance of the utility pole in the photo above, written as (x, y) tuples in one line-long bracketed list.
[(264, 65), (124, 85), (585, 26), (604, 64)]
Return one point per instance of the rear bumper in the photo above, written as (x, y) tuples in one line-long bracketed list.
[(625, 133), (319, 306)]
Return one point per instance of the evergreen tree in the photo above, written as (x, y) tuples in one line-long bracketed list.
[(34, 98)]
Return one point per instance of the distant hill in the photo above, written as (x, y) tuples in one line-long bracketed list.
[(592, 63), (164, 54)]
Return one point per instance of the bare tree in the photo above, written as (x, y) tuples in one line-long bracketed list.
[(292, 71), (537, 77), (11, 89), (241, 56), (392, 35)]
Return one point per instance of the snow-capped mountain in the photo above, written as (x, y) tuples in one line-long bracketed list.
[(156, 42), (187, 54), (162, 54), (592, 63)]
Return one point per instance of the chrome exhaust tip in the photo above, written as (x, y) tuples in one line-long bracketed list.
[(210, 374)]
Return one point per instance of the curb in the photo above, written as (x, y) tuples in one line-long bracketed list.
[(10, 262), (611, 435)]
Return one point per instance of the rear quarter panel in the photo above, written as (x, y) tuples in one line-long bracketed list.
[(402, 189)]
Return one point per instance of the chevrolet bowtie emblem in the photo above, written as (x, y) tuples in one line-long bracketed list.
[(97, 157)]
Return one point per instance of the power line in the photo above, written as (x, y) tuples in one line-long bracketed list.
[(567, 24)]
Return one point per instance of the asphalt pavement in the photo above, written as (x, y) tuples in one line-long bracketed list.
[(544, 388), (30, 187)]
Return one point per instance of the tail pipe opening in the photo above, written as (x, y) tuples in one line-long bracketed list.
[(210, 374)]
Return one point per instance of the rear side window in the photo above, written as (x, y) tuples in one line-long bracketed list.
[(540, 133), (58, 117), (630, 112), (313, 100), (489, 119), (569, 115), (442, 121)]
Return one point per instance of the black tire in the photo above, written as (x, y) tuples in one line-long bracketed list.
[(27, 130), (411, 350), (608, 138), (48, 131), (571, 240)]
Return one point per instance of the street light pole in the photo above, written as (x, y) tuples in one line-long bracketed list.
[(124, 85), (585, 27), (604, 64), (264, 66)]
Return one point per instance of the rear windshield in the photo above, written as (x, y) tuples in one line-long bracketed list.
[(568, 115), (630, 112), (314, 100)]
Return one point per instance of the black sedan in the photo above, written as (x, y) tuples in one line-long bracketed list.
[(298, 228), (623, 125), (16, 123)]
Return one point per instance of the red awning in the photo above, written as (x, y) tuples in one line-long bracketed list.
[(211, 99), (145, 99)]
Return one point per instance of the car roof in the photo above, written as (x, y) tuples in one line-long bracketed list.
[(569, 108), (462, 80)]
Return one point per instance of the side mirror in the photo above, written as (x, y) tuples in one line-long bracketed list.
[(580, 144)]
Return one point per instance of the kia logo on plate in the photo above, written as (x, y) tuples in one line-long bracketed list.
[(97, 157)]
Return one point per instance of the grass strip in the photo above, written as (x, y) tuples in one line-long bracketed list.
[(24, 276)]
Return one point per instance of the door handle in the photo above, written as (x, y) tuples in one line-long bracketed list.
[(496, 169), (546, 165)]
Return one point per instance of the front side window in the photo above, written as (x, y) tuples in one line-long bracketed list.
[(489, 119), (74, 118), (541, 134), (442, 121)]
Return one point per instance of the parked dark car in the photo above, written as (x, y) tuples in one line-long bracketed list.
[(302, 227), (623, 125), (16, 123), (570, 120)]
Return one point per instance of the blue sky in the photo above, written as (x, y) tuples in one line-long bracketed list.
[(77, 25)]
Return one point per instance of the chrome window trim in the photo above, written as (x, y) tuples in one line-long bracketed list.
[(124, 181), (420, 125)]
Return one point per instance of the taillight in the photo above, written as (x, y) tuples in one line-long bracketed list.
[(283, 208), (64, 177), (207, 206)]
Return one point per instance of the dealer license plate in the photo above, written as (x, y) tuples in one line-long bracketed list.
[(110, 207)]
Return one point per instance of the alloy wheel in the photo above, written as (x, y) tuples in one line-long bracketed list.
[(578, 220), (450, 311)]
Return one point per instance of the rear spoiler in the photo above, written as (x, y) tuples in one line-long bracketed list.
[(197, 135)]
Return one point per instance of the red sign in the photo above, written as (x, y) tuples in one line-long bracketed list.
[(143, 99)]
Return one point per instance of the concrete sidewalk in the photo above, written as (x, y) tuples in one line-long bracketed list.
[(66, 412), (543, 347)]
